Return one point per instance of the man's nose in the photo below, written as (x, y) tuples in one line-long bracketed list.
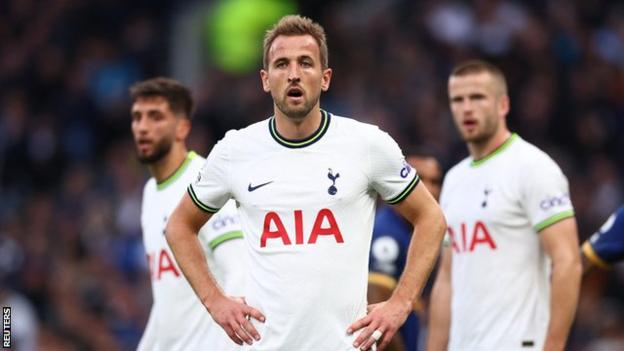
[(294, 73), (141, 124)]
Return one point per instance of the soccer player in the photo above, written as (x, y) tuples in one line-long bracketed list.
[(509, 278), (161, 120), (306, 182), (389, 249), (606, 246)]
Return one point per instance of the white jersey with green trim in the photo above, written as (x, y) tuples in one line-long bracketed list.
[(495, 208), (307, 210), (178, 320)]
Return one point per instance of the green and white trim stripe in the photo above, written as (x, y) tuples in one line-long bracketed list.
[(405, 192), (178, 172), (199, 203), (225, 237), (553, 219), (497, 151), (316, 136)]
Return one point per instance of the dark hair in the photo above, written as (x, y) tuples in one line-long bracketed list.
[(479, 66), (177, 95), (296, 25)]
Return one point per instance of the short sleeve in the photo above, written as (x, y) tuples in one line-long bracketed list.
[(390, 175), (546, 195), (222, 227), (211, 189)]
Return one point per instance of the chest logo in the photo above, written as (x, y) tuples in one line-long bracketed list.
[(466, 241), (251, 188), (486, 192), (325, 225), (332, 190)]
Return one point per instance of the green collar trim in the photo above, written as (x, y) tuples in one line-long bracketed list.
[(497, 151), (316, 136), (178, 172)]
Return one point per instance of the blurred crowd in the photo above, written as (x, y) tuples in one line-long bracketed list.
[(71, 257)]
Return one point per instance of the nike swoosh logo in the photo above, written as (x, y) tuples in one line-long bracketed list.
[(251, 188)]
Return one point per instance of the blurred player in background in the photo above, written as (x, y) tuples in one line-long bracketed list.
[(306, 183), (161, 121), (389, 251), (606, 246), (509, 280)]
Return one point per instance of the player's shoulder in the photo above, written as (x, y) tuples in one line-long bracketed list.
[(352, 127), (456, 171), (527, 156), (253, 130), (236, 141), (150, 187)]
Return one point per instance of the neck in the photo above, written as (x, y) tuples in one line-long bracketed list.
[(298, 128), (166, 167), (479, 150)]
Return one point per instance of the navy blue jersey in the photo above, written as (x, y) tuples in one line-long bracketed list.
[(606, 246), (391, 238)]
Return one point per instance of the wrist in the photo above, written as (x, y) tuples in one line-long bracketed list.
[(210, 300), (404, 302), (554, 345)]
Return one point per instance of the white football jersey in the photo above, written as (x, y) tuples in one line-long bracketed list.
[(307, 210), (495, 208), (178, 320)]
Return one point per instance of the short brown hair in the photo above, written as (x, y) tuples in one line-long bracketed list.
[(296, 25), (177, 95), (479, 66)]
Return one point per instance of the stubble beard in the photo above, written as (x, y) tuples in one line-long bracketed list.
[(482, 136), (161, 149), (296, 112)]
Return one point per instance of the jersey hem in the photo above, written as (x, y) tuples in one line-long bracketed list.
[(553, 219), (178, 172), (405, 192), (591, 255), (225, 237), (198, 203)]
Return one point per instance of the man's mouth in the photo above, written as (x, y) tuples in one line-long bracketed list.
[(469, 123), (294, 92), (142, 144)]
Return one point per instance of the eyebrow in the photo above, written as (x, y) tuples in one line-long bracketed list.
[(298, 58)]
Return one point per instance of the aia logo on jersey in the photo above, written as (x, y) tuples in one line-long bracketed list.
[(324, 225), (161, 264), (470, 238)]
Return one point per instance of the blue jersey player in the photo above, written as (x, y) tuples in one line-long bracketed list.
[(391, 237), (606, 246)]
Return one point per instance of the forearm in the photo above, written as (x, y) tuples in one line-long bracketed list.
[(422, 254), (440, 318), (566, 278), (440, 306), (186, 247)]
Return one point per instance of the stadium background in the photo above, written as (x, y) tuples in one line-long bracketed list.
[(70, 186)]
